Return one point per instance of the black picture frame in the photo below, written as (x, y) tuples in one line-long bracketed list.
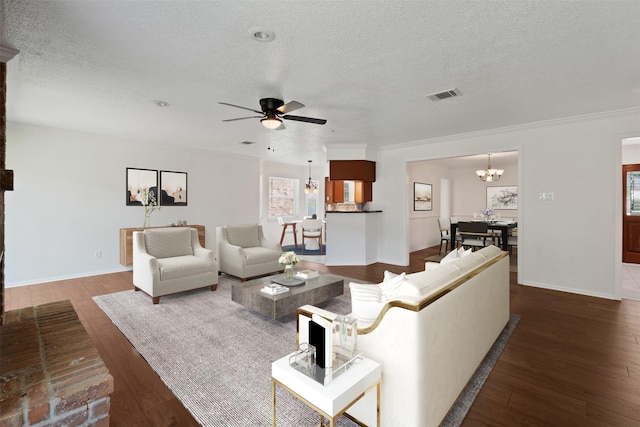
[(173, 188), (137, 182), (422, 196)]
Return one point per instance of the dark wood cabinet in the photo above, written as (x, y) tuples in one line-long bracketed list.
[(333, 191), (352, 170)]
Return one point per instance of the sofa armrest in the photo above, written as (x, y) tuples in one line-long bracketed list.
[(227, 249), (198, 250)]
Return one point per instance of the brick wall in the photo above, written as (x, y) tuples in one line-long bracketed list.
[(50, 373)]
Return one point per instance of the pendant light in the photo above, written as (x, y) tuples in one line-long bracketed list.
[(310, 186), (489, 174)]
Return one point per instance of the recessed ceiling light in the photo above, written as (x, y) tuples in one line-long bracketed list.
[(161, 103), (262, 34)]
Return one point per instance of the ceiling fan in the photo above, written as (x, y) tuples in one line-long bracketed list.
[(273, 111)]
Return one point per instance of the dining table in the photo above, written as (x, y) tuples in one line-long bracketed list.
[(503, 226)]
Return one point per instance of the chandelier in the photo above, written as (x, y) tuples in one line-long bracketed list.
[(310, 187), (489, 174)]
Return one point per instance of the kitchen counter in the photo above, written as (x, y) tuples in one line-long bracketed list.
[(352, 239)]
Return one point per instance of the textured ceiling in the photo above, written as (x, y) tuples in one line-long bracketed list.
[(98, 66)]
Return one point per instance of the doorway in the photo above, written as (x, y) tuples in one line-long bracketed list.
[(630, 272)]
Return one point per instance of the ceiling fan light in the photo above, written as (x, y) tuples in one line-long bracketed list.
[(271, 122)]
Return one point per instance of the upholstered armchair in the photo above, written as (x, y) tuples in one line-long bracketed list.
[(170, 260), (244, 252)]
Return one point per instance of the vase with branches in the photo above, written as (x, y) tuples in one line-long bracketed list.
[(148, 200)]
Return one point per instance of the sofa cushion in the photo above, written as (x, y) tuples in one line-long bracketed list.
[(245, 236), (168, 242), (424, 283), (183, 266), (260, 255)]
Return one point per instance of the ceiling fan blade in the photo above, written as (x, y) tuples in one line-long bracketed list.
[(305, 119), (243, 118), (290, 106), (238, 106)]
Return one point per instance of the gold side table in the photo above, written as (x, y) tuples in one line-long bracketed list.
[(332, 400)]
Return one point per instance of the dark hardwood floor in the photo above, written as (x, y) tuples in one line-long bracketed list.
[(572, 361)]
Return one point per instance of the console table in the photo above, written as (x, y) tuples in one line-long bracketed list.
[(126, 242)]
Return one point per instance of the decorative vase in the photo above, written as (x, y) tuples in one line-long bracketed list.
[(288, 272)]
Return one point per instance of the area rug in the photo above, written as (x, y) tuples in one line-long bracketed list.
[(216, 356)]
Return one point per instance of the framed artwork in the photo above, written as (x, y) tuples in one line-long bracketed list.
[(173, 188), (502, 197), (141, 183), (422, 197)]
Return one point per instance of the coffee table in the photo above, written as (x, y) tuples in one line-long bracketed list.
[(282, 307)]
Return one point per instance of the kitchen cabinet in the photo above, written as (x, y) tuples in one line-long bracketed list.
[(333, 190)]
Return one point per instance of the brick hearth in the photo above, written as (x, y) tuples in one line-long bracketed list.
[(50, 373)]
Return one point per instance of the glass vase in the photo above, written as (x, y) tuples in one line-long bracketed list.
[(288, 272)]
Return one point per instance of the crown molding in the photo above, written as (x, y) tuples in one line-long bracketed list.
[(7, 54)]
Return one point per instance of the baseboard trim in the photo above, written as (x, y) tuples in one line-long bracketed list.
[(58, 278)]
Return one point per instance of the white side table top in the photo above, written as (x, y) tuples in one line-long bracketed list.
[(335, 396)]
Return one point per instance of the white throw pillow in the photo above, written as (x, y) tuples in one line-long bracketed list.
[(462, 252), (451, 256), (365, 302), (390, 287)]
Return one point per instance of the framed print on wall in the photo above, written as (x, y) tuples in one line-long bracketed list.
[(502, 197), (173, 188), (422, 197), (141, 182)]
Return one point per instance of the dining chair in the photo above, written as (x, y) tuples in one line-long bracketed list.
[(475, 234), (512, 240), (286, 229), (445, 237), (312, 229)]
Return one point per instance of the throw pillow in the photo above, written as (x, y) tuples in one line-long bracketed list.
[(462, 252), (389, 288), (451, 256), (365, 302)]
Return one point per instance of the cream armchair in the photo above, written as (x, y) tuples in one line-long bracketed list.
[(171, 260), (244, 252)]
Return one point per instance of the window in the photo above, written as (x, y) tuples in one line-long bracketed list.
[(282, 197)]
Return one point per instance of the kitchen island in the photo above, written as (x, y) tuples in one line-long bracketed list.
[(352, 237)]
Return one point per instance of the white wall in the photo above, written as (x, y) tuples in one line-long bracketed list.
[(572, 243), (69, 198), (423, 225)]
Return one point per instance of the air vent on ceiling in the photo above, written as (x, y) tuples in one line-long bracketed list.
[(444, 95), (247, 142)]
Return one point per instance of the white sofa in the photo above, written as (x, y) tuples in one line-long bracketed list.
[(170, 260), (244, 252), (430, 336)]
